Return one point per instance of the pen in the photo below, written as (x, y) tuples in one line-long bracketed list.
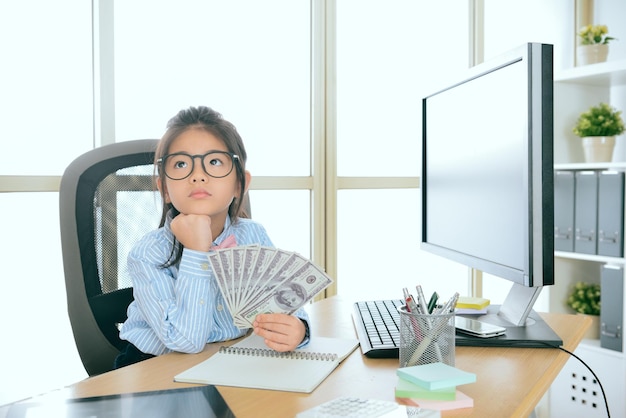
[(411, 307), (407, 299), (450, 304), (410, 302), (421, 300), (433, 302)]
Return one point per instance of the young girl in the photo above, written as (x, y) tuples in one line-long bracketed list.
[(178, 305)]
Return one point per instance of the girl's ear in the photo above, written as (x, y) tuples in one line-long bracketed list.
[(163, 190), (248, 178), (239, 194)]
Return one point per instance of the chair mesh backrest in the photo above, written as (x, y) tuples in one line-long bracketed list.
[(107, 202), (126, 207)]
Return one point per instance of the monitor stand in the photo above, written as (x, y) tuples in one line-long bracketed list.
[(524, 327)]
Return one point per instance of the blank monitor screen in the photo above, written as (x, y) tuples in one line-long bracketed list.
[(476, 178), (487, 168)]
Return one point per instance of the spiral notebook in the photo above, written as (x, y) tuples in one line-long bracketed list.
[(251, 364)]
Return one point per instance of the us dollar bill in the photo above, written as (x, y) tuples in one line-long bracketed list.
[(255, 279), (290, 294)]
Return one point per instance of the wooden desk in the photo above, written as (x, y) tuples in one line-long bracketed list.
[(510, 381)]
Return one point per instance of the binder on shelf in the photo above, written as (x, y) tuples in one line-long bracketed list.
[(611, 213), (564, 188), (586, 212), (611, 309)]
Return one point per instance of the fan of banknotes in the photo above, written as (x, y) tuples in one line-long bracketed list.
[(255, 279)]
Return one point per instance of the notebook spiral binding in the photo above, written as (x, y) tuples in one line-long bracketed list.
[(294, 355)]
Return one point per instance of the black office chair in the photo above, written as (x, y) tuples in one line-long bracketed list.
[(107, 202)]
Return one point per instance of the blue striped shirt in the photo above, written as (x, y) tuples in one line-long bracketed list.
[(180, 308)]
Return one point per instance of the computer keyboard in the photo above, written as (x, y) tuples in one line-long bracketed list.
[(377, 324)]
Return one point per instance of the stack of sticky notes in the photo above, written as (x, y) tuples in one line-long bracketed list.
[(471, 305), (433, 386)]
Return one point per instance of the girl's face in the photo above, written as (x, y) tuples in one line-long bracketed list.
[(200, 194)]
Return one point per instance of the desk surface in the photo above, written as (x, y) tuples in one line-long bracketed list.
[(510, 381)]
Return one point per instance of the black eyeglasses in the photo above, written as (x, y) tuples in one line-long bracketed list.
[(180, 165)]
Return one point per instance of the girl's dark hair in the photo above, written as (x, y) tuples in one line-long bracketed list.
[(207, 119)]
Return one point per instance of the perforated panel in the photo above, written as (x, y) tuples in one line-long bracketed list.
[(577, 394), (126, 207), (585, 392)]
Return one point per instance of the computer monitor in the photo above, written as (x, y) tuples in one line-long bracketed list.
[(487, 181)]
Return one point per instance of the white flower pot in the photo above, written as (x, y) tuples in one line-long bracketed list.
[(598, 149), (591, 54)]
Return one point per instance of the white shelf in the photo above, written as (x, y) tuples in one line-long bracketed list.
[(594, 346), (604, 74), (620, 166), (590, 257)]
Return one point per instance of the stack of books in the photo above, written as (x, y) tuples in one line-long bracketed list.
[(433, 386)]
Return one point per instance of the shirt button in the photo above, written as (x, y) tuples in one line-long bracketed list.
[(204, 266), (220, 307), (201, 301)]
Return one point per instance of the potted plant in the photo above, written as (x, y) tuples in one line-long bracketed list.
[(594, 44), (585, 300), (598, 127)]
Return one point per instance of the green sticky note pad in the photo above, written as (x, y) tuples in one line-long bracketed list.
[(406, 389), (435, 376)]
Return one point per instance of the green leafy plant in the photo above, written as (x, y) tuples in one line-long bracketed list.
[(594, 34), (600, 120), (585, 298)]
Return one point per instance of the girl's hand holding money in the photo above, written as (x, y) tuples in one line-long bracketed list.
[(281, 332)]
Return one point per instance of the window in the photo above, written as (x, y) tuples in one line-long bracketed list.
[(247, 59), (46, 85), (46, 113), (388, 58), (236, 58)]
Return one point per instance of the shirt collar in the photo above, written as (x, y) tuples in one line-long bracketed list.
[(226, 232)]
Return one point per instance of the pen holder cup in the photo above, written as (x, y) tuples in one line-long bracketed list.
[(426, 338)]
